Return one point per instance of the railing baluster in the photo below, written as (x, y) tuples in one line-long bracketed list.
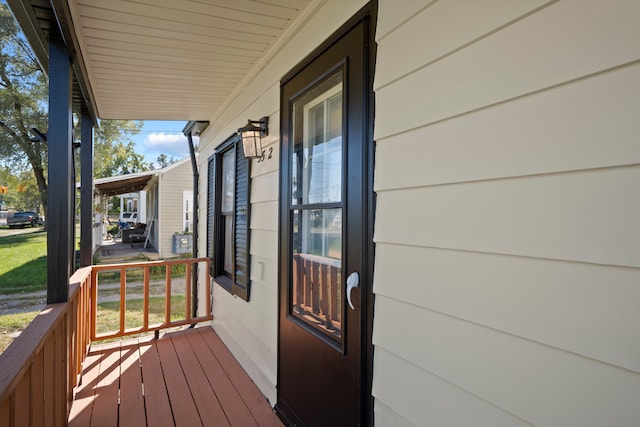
[(145, 310), (167, 302), (307, 283), (324, 303), (123, 297), (94, 302), (315, 288), (188, 318), (333, 272), (188, 290)]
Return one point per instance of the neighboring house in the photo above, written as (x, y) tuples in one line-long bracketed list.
[(476, 163), (167, 203)]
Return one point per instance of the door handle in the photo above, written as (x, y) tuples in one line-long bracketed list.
[(352, 282)]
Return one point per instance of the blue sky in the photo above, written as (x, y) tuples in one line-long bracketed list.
[(159, 137)]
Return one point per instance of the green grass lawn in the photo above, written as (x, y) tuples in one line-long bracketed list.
[(10, 323), (108, 317), (23, 262)]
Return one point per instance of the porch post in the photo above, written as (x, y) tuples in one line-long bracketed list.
[(60, 196), (86, 190)]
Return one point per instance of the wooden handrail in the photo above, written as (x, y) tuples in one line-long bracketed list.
[(40, 368), (169, 278)]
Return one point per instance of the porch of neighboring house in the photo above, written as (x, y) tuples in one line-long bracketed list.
[(57, 372), (111, 251)]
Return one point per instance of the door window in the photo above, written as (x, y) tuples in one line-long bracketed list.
[(317, 188)]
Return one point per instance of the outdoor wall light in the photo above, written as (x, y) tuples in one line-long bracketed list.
[(252, 137)]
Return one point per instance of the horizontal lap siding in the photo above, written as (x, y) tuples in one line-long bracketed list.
[(508, 245), (172, 185)]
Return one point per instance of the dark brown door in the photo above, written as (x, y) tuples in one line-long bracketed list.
[(325, 237)]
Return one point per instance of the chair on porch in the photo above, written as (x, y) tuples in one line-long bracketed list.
[(140, 234)]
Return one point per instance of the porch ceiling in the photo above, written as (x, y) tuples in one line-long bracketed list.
[(167, 59), (123, 184)]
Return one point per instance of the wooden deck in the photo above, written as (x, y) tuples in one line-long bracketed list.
[(186, 378)]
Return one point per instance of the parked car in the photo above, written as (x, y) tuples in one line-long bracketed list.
[(130, 218), (23, 219)]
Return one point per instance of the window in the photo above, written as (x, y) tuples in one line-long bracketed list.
[(228, 217)]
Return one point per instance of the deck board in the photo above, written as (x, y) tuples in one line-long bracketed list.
[(251, 396), (105, 405), (83, 404), (184, 378), (131, 398), (155, 391), (237, 411), (203, 395)]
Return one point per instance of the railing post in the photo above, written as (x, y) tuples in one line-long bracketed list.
[(188, 290)]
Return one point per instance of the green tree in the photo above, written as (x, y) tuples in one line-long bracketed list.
[(114, 150), (164, 160), (23, 108), (23, 95)]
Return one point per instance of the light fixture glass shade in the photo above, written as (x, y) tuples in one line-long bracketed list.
[(251, 141)]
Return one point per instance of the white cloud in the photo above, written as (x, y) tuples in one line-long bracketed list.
[(171, 144)]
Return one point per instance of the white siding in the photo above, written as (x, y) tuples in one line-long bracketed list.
[(172, 183), (250, 328), (507, 268)]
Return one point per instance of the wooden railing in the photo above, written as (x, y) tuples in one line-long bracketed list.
[(316, 291), (168, 275), (40, 369)]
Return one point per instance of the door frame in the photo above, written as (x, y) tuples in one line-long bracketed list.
[(368, 15)]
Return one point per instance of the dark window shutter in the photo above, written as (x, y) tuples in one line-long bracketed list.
[(239, 284), (211, 200), (241, 232)]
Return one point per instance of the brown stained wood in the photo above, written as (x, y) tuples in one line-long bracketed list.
[(60, 373), (167, 300), (315, 288), (156, 398), (73, 337), (249, 392), (333, 284), (5, 413), (21, 404), (324, 285), (48, 382), (105, 408), (131, 398), (186, 372), (37, 391), (16, 359), (201, 390), (167, 264), (94, 302), (297, 280), (307, 282), (184, 409), (82, 407), (236, 410), (188, 291), (123, 298), (146, 291)]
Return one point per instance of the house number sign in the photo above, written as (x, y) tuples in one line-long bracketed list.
[(266, 155)]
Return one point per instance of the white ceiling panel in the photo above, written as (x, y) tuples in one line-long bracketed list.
[(173, 59)]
